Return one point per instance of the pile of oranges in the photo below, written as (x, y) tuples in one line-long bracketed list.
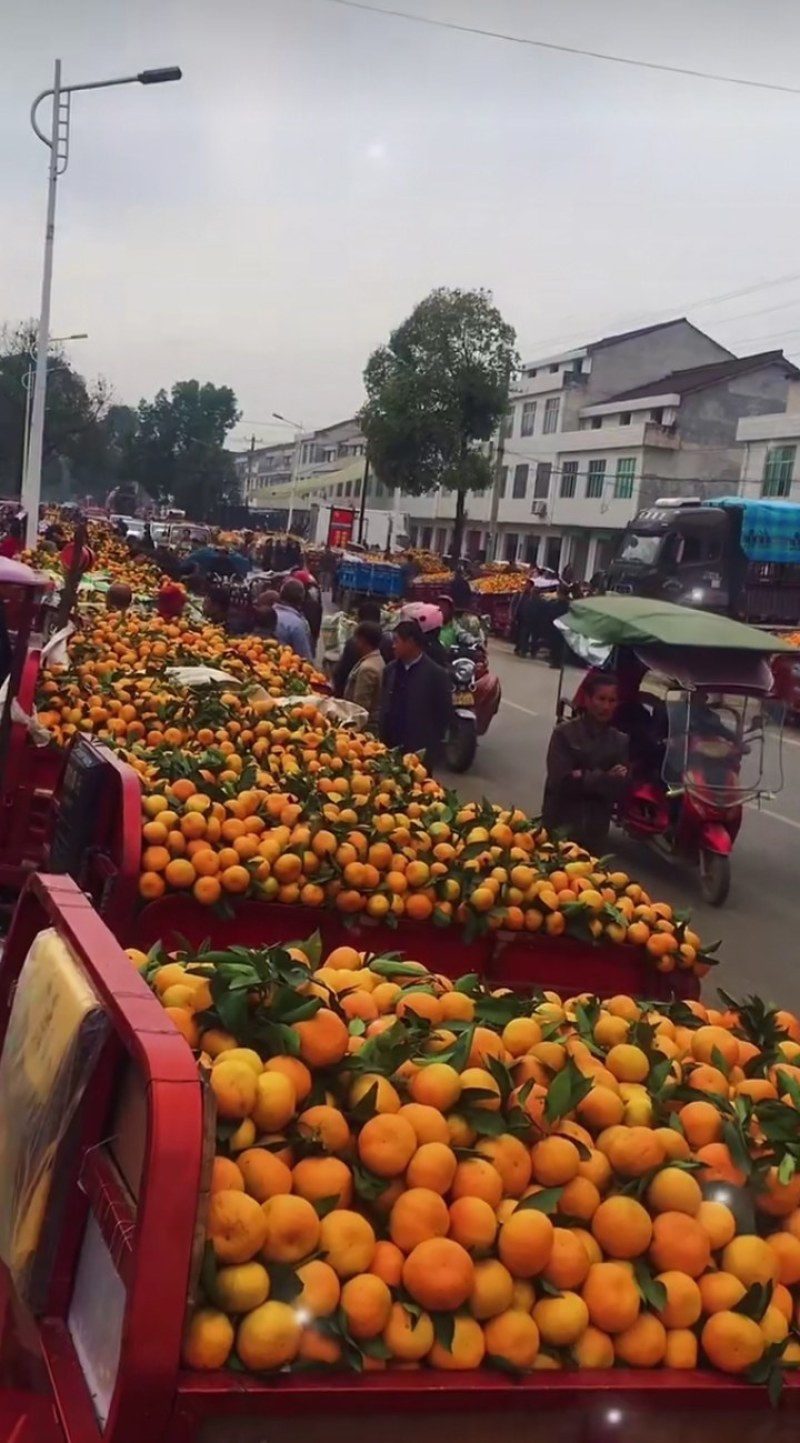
[(322, 817), (412, 1172), (117, 685), (244, 795), (500, 583)]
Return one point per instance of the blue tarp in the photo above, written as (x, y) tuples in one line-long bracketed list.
[(770, 529)]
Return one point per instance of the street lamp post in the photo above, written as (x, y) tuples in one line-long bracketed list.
[(299, 429), (58, 144)]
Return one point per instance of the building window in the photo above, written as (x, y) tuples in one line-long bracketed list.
[(427, 537), (595, 479), (520, 482), (507, 428), (511, 544), (531, 550), (569, 479), (541, 484), (528, 418), (356, 488), (623, 481), (532, 372), (658, 415), (348, 488), (340, 489), (412, 536), (778, 469), (597, 422), (624, 418), (551, 415), (553, 369), (441, 540), (503, 482)]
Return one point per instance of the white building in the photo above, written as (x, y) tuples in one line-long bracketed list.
[(770, 446), (581, 456)]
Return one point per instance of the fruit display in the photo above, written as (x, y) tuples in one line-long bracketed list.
[(411, 1172), (500, 583)]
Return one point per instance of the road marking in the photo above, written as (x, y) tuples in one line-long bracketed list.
[(516, 706), (775, 816)]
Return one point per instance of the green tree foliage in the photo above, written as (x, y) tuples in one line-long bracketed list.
[(73, 418), (177, 449), (437, 393)]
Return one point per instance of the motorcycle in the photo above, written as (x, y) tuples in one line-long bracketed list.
[(698, 704), (476, 699)]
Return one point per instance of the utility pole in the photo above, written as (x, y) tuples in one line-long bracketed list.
[(498, 479), (362, 507), (249, 482)]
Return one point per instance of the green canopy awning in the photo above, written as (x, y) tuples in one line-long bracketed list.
[(641, 621)]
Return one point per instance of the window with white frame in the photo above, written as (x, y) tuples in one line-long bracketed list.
[(623, 480), (541, 482), (569, 480), (595, 479), (551, 415), (778, 471), (507, 427), (528, 418), (520, 482)]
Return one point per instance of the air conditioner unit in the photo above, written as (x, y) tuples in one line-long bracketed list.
[(539, 508)]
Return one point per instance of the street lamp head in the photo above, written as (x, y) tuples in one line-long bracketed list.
[(160, 77)]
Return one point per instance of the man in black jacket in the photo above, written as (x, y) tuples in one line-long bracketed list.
[(416, 699)]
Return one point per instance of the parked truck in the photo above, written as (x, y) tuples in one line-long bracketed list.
[(732, 555), (382, 529)]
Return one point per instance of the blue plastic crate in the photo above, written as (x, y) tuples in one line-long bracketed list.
[(371, 578)]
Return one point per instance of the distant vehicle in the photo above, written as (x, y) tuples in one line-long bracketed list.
[(732, 555), (379, 529)]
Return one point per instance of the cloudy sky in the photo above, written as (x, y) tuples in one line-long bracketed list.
[(267, 221)]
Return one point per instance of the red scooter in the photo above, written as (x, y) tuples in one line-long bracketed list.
[(697, 822)]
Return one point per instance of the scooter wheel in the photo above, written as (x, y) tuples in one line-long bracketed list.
[(715, 877), (461, 745)]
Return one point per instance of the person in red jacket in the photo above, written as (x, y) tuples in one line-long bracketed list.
[(11, 544)]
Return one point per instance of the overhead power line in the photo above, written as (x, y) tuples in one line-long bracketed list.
[(551, 45)]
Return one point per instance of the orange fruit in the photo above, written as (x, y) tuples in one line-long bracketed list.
[(720, 1292), (418, 1214), (348, 1241), (643, 1344), (438, 1086), (387, 1263), (236, 1226), (513, 1336), (622, 1227), (434, 1165), (323, 1039), (208, 1339), (263, 1173), (786, 1248), (612, 1297), (475, 1177), (292, 1229), (673, 1190), (492, 1290), (269, 1337), (525, 1243), (467, 1348), (321, 1289), (555, 1161), (569, 1261), (325, 1124), (320, 1179), (428, 1123), (679, 1243), (732, 1342), (718, 1223), (684, 1302), (473, 1224), (386, 1144), (439, 1274), (366, 1303), (751, 1260), (562, 1320), (408, 1336), (226, 1175)]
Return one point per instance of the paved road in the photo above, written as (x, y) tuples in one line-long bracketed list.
[(759, 931)]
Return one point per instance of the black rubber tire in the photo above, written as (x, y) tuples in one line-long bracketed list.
[(715, 878), (461, 745)]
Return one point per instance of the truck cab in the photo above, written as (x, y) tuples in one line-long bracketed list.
[(680, 551)]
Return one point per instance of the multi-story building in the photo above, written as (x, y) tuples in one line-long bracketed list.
[(595, 433), (262, 467)]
